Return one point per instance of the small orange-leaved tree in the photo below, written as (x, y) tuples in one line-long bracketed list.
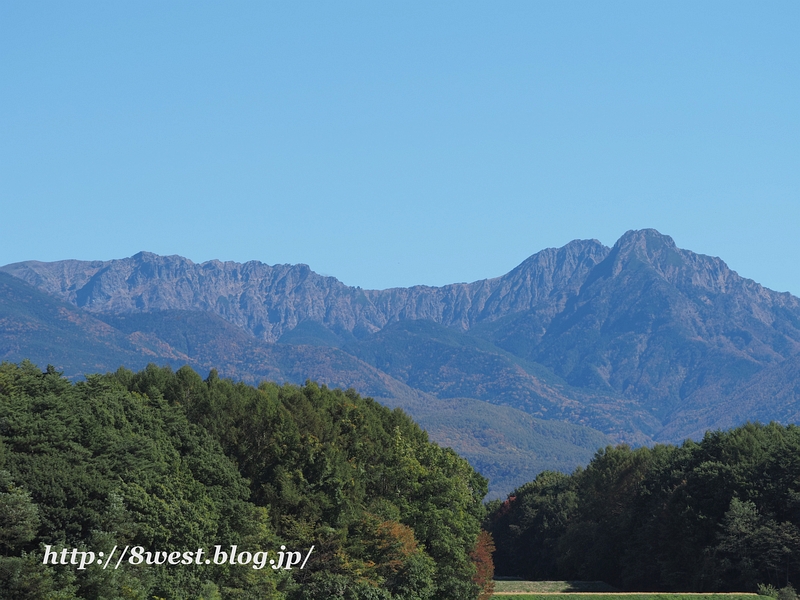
[(482, 559)]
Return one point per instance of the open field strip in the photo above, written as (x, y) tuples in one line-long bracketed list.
[(552, 590), (625, 595), (519, 586)]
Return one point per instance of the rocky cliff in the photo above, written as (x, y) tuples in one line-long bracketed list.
[(269, 301)]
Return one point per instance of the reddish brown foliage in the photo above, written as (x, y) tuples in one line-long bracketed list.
[(482, 559)]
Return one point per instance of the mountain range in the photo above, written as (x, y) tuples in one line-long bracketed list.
[(575, 348)]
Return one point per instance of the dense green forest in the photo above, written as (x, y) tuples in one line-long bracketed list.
[(721, 514), (168, 461)]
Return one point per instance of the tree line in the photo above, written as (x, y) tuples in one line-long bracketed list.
[(721, 514)]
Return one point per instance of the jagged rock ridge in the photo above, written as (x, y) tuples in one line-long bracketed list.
[(269, 301)]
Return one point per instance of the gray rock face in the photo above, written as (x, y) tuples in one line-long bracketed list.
[(269, 300), (659, 323)]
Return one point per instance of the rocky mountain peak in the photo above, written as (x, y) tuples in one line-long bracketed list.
[(645, 248), (648, 250), (644, 238)]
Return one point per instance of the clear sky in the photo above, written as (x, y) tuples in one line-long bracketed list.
[(392, 144)]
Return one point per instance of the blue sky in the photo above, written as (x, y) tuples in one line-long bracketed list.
[(392, 144)]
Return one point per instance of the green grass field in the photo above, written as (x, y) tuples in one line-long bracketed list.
[(597, 590)]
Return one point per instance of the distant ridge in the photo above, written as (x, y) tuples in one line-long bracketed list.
[(269, 301), (643, 341)]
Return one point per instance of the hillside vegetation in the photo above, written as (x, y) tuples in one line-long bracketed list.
[(718, 515), (169, 461)]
